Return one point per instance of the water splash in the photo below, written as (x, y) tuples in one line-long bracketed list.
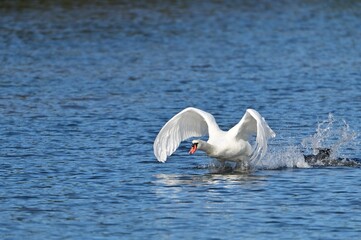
[(330, 134)]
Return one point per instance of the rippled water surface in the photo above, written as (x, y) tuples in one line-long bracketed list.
[(86, 86)]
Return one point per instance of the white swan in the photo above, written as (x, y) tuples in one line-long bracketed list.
[(224, 146)]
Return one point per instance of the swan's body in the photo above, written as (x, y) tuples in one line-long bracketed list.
[(224, 146)]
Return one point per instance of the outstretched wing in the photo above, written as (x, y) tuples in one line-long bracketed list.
[(191, 122), (252, 123)]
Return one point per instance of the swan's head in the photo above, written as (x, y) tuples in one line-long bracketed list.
[(194, 147)]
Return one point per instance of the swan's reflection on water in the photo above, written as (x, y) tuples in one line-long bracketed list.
[(207, 190), (209, 179)]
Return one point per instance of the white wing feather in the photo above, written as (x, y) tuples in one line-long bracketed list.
[(191, 122), (252, 123)]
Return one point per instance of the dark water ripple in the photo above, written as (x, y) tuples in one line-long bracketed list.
[(86, 86)]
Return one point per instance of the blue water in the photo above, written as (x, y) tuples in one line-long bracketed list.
[(86, 86)]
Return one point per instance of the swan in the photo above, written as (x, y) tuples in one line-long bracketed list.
[(232, 145)]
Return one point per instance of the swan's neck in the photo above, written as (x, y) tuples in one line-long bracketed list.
[(206, 147)]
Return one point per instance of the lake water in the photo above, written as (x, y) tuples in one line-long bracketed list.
[(85, 87)]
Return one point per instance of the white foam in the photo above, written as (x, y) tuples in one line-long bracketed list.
[(289, 157)]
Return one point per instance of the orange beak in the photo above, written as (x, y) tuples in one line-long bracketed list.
[(193, 148)]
